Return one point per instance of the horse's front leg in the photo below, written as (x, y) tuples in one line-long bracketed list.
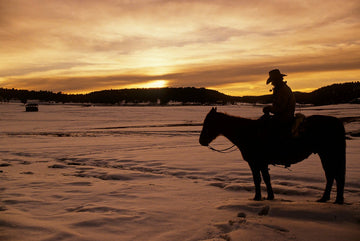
[(266, 178), (257, 180)]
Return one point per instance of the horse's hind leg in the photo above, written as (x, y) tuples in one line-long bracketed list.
[(257, 181), (329, 174), (334, 166), (340, 180), (340, 183), (266, 178), (329, 183)]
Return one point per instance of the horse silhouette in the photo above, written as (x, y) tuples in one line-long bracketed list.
[(324, 135)]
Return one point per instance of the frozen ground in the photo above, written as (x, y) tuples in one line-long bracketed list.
[(138, 173)]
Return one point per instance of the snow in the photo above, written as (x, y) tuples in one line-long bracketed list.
[(70, 172)]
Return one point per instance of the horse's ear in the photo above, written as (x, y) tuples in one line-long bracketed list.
[(214, 109)]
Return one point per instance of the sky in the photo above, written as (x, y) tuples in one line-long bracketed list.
[(80, 46)]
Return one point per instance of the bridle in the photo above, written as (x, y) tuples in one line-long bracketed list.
[(226, 150)]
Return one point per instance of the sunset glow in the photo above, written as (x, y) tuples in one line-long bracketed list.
[(83, 46), (151, 84)]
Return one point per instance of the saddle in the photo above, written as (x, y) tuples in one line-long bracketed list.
[(294, 129), (275, 137)]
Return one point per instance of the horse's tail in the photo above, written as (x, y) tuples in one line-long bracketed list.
[(340, 173), (340, 164)]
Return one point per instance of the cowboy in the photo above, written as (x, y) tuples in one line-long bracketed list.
[(283, 105), (278, 126)]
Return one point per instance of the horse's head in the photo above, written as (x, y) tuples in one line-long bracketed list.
[(210, 130)]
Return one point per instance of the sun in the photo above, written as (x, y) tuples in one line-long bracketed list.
[(156, 84), (150, 84)]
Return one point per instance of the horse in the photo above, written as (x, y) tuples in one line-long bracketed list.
[(319, 134)]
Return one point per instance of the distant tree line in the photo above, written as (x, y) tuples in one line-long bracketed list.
[(153, 96), (333, 94), (24, 95)]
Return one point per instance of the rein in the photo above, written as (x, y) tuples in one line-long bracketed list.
[(226, 150)]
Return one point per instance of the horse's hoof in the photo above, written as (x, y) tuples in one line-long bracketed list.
[(270, 198), (339, 201), (323, 200), (256, 198)]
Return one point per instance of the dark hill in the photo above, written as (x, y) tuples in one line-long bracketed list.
[(333, 94), (336, 94), (159, 96)]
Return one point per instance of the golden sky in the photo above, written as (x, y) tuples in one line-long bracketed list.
[(79, 46)]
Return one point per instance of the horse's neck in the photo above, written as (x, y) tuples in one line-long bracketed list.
[(235, 129)]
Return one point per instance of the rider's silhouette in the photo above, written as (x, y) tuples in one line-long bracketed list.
[(283, 105), (278, 126)]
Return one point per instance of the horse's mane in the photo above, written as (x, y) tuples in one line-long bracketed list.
[(236, 124), (234, 118)]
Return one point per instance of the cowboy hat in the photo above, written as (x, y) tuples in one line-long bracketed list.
[(273, 75)]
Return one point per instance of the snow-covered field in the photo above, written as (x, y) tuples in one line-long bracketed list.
[(70, 172)]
